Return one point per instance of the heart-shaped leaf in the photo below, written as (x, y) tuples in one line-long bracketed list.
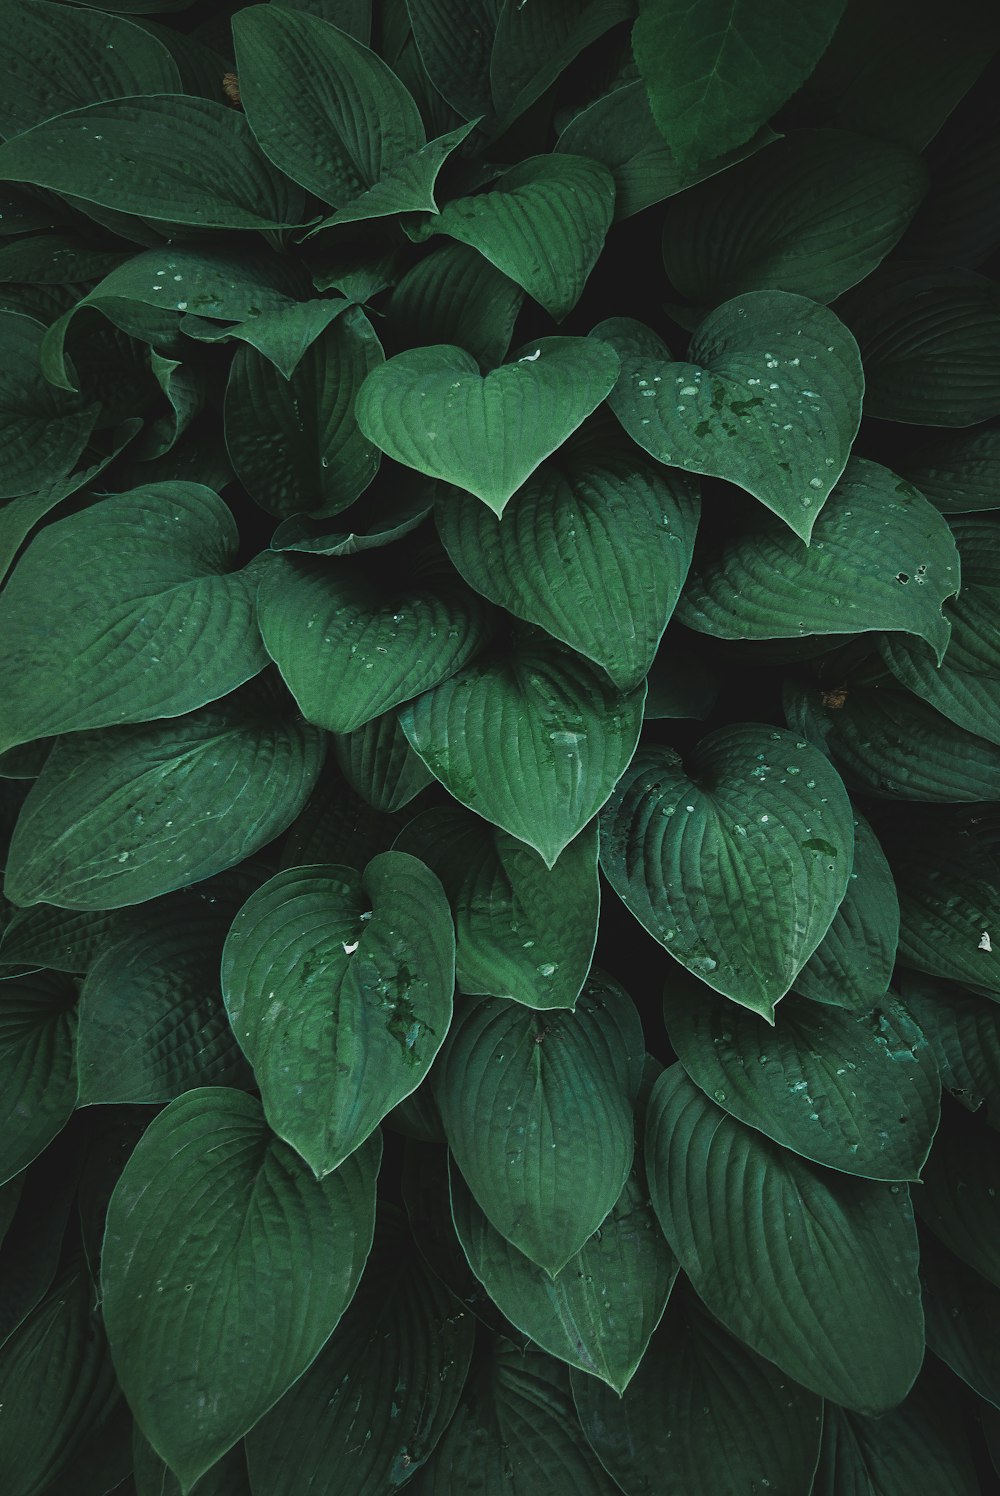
[(339, 989), (963, 1031), (594, 548), (209, 1201), (543, 225), (523, 931), (352, 641), (37, 1064), (124, 814), (531, 738), (769, 398), (839, 1307), (875, 535), (761, 823), (42, 430), (125, 612), (431, 409), (537, 1108)]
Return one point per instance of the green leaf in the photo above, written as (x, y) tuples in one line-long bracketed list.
[(384, 514), (529, 737), (963, 1031), (814, 214), (958, 471), (538, 1113), (535, 43), (188, 161), (682, 682), (770, 399), (874, 535), (282, 336), (208, 1202), (337, 825), (515, 1432), (352, 641), (960, 1198), (593, 548), (42, 431), (524, 931), (294, 443), (742, 886), (127, 612), (492, 435), (619, 129), (963, 1319), (58, 259), (599, 1311), (227, 1477), (332, 116), (455, 41), (929, 339), (454, 295), (394, 1368), (37, 1064), (33, 1242), (59, 939), (543, 225), (339, 989), (378, 762), (835, 1298), (852, 965), (715, 70), (856, 1092), (152, 1020), (702, 1415), (100, 57), (125, 814)]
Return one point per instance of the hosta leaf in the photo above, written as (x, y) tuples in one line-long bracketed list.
[(530, 737), (543, 225), (59, 939), (152, 1021), (454, 295), (538, 1113), (227, 1477), (594, 548), (963, 1319), (352, 639), (702, 1415), (336, 825), (599, 1311), (126, 612), (42, 430), (960, 1198), (891, 744), (378, 762), (282, 336), (929, 339), (209, 1202), (370, 1410), (835, 1298), (523, 931), (189, 161), (101, 57), (715, 71), (124, 814), (769, 398), (33, 1242), (382, 515), (431, 409), (535, 43), (339, 989), (515, 1432), (455, 39), (958, 471), (742, 886), (963, 1031), (37, 1064), (294, 443), (874, 536), (857, 1092), (814, 213), (852, 965)]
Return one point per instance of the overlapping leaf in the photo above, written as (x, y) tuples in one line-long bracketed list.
[(42, 431), (38, 1082)]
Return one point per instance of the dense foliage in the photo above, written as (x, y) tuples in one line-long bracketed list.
[(499, 739)]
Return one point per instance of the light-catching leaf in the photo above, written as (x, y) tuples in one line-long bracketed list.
[(837, 1305), (210, 1202), (339, 989), (38, 1083), (769, 398)]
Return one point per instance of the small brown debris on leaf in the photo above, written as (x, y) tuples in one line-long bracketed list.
[(231, 87), (834, 699)]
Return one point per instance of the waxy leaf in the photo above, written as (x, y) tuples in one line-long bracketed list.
[(856, 1092), (738, 867), (838, 1305), (960, 1199), (523, 931), (537, 1108), (42, 431), (529, 737), (769, 398), (339, 989), (126, 612), (210, 1202), (59, 939), (336, 825), (456, 296), (958, 471), (38, 1084), (702, 1415), (124, 814), (377, 519), (535, 43), (874, 537), (594, 548), (963, 1031), (454, 39), (431, 409), (379, 764)]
